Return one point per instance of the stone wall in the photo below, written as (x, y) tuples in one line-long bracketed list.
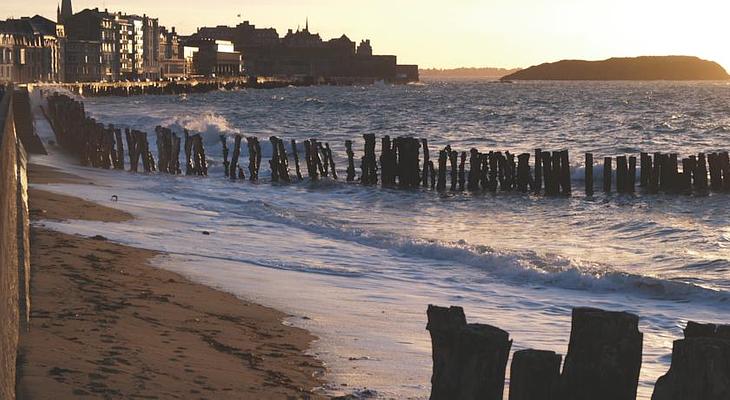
[(14, 264)]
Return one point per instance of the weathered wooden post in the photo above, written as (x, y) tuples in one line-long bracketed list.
[(604, 356), (484, 173), (316, 159), (700, 367), (274, 162), (715, 172), (432, 174), (283, 162), (120, 149), (622, 172), (188, 153), (534, 375), (350, 161), (700, 177), (226, 164), (655, 175), (254, 158), (462, 175), (589, 174), (175, 154), (538, 171), (331, 160), (369, 163), (607, 174), (469, 360), (426, 161), (311, 165), (685, 181), (631, 178), (387, 161), (296, 160), (233, 167), (645, 170), (454, 161), (443, 155), (547, 173), (565, 172), (724, 159), (523, 172)]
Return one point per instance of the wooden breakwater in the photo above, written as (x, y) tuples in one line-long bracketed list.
[(14, 234), (603, 361), (399, 164)]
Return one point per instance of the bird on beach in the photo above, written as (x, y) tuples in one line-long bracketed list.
[(115, 198)]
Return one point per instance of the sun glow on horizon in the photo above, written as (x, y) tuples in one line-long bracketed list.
[(462, 33)]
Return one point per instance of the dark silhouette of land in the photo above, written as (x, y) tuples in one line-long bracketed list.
[(485, 72), (670, 68)]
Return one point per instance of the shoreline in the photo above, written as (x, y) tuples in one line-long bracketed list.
[(106, 323)]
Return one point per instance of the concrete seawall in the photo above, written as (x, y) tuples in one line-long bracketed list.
[(14, 246)]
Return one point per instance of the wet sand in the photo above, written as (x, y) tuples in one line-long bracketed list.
[(105, 324)]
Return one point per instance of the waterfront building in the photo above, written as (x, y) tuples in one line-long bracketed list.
[(217, 58), (30, 50), (172, 63), (83, 30)]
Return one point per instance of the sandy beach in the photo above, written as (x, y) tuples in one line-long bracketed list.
[(106, 324)]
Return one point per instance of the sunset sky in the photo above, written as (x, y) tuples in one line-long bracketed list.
[(454, 33)]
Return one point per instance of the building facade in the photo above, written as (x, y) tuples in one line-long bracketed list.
[(172, 63), (31, 50)]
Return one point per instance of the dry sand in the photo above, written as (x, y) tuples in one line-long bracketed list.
[(107, 325)]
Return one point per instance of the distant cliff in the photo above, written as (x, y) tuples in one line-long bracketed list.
[(670, 68)]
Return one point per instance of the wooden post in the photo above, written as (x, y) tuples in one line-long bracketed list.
[(296, 160), (589, 174), (311, 165), (233, 167), (645, 170), (484, 173), (274, 162), (685, 181), (443, 155), (454, 160), (715, 172), (604, 356), (462, 175), (523, 172), (547, 173), (253, 157), (701, 174), (226, 164), (120, 148), (188, 153), (622, 172), (607, 174), (565, 173), (432, 174), (426, 161), (369, 163), (469, 360), (534, 375), (350, 161), (538, 171), (655, 176), (700, 368), (387, 162), (724, 159), (283, 162), (631, 178)]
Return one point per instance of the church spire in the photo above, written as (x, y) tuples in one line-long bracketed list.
[(66, 11), (306, 26)]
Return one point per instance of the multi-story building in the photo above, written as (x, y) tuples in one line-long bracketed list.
[(216, 58), (84, 62), (30, 50), (87, 27), (172, 63)]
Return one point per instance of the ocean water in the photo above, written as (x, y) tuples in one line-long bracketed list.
[(358, 265)]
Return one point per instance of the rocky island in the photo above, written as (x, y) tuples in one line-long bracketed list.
[(670, 68)]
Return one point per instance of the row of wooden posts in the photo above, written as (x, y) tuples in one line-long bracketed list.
[(399, 164), (603, 361)]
